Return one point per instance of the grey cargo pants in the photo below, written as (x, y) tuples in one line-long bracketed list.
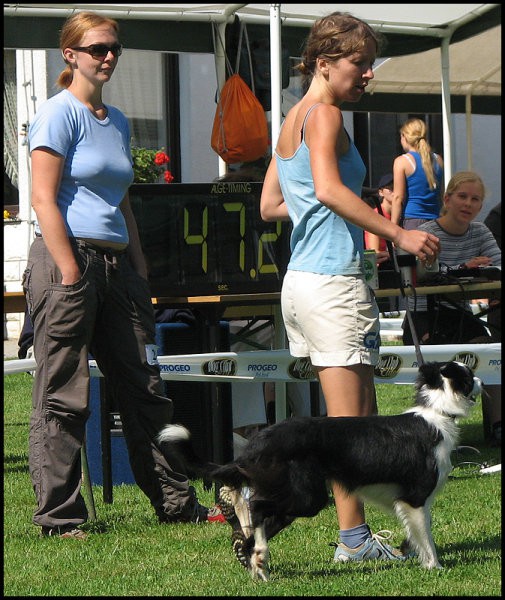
[(109, 314)]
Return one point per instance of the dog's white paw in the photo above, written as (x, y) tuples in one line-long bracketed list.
[(429, 560), (259, 564)]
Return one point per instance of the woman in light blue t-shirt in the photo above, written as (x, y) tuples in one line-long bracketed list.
[(87, 292)]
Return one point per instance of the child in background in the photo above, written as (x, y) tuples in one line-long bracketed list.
[(385, 194)]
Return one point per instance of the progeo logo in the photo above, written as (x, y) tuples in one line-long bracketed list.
[(220, 366), (175, 368), (388, 366), (301, 368)]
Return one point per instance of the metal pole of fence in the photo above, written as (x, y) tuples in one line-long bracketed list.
[(87, 482)]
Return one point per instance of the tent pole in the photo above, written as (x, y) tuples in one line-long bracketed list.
[(446, 109), (468, 114), (275, 71), (220, 60), (276, 101)]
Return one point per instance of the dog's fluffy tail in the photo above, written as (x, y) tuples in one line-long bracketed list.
[(178, 443), (175, 441), (173, 434)]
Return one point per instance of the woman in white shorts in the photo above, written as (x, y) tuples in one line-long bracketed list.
[(331, 318), (315, 179)]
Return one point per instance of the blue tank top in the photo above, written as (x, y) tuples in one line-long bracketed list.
[(321, 241), (421, 202)]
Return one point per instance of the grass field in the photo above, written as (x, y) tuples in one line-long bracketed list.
[(129, 554)]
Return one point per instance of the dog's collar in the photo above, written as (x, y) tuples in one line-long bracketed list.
[(454, 417)]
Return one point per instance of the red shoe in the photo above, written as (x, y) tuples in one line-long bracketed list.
[(215, 515), (201, 514)]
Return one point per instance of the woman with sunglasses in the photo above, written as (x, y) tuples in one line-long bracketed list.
[(87, 292)]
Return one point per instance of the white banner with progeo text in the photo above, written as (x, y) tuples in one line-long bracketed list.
[(397, 364)]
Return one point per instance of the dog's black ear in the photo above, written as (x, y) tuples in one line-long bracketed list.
[(454, 369), (461, 376), (449, 370), (429, 374)]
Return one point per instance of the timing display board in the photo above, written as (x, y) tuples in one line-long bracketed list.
[(209, 239)]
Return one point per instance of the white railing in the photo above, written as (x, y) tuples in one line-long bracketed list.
[(397, 364)]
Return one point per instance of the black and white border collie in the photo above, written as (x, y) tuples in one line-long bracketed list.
[(397, 462)]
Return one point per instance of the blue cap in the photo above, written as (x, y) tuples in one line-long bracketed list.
[(385, 180)]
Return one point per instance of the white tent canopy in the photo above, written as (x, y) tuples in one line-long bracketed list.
[(409, 28), (430, 20), (475, 70)]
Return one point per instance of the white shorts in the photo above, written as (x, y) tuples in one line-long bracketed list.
[(333, 319)]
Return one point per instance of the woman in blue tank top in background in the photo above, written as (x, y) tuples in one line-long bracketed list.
[(315, 179), (418, 174)]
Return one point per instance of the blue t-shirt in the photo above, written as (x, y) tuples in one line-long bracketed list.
[(97, 171), (422, 202), (321, 241)]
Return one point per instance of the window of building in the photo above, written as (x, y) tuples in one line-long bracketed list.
[(11, 137), (145, 87)]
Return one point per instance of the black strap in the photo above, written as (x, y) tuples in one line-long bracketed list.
[(392, 252)]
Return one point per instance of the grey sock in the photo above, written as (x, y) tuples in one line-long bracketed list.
[(355, 536)]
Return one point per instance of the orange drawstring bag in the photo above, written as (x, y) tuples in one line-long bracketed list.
[(240, 130)]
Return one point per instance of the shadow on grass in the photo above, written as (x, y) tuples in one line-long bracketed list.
[(96, 526), (336, 569), (468, 549), (15, 463)]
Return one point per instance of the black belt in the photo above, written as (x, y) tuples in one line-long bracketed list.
[(80, 243), (98, 249)]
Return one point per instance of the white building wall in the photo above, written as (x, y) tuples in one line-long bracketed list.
[(199, 163), (31, 67), (31, 74), (486, 154)]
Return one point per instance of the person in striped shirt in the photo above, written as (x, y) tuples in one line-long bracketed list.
[(464, 243)]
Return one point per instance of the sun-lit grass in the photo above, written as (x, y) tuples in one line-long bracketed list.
[(129, 554)]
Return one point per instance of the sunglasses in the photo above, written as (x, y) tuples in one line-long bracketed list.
[(100, 51)]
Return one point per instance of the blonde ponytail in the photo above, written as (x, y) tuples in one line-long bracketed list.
[(414, 132), (65, 77), (424, 150)]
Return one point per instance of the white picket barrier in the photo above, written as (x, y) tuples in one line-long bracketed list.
[(391, 328), (398, 364)]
